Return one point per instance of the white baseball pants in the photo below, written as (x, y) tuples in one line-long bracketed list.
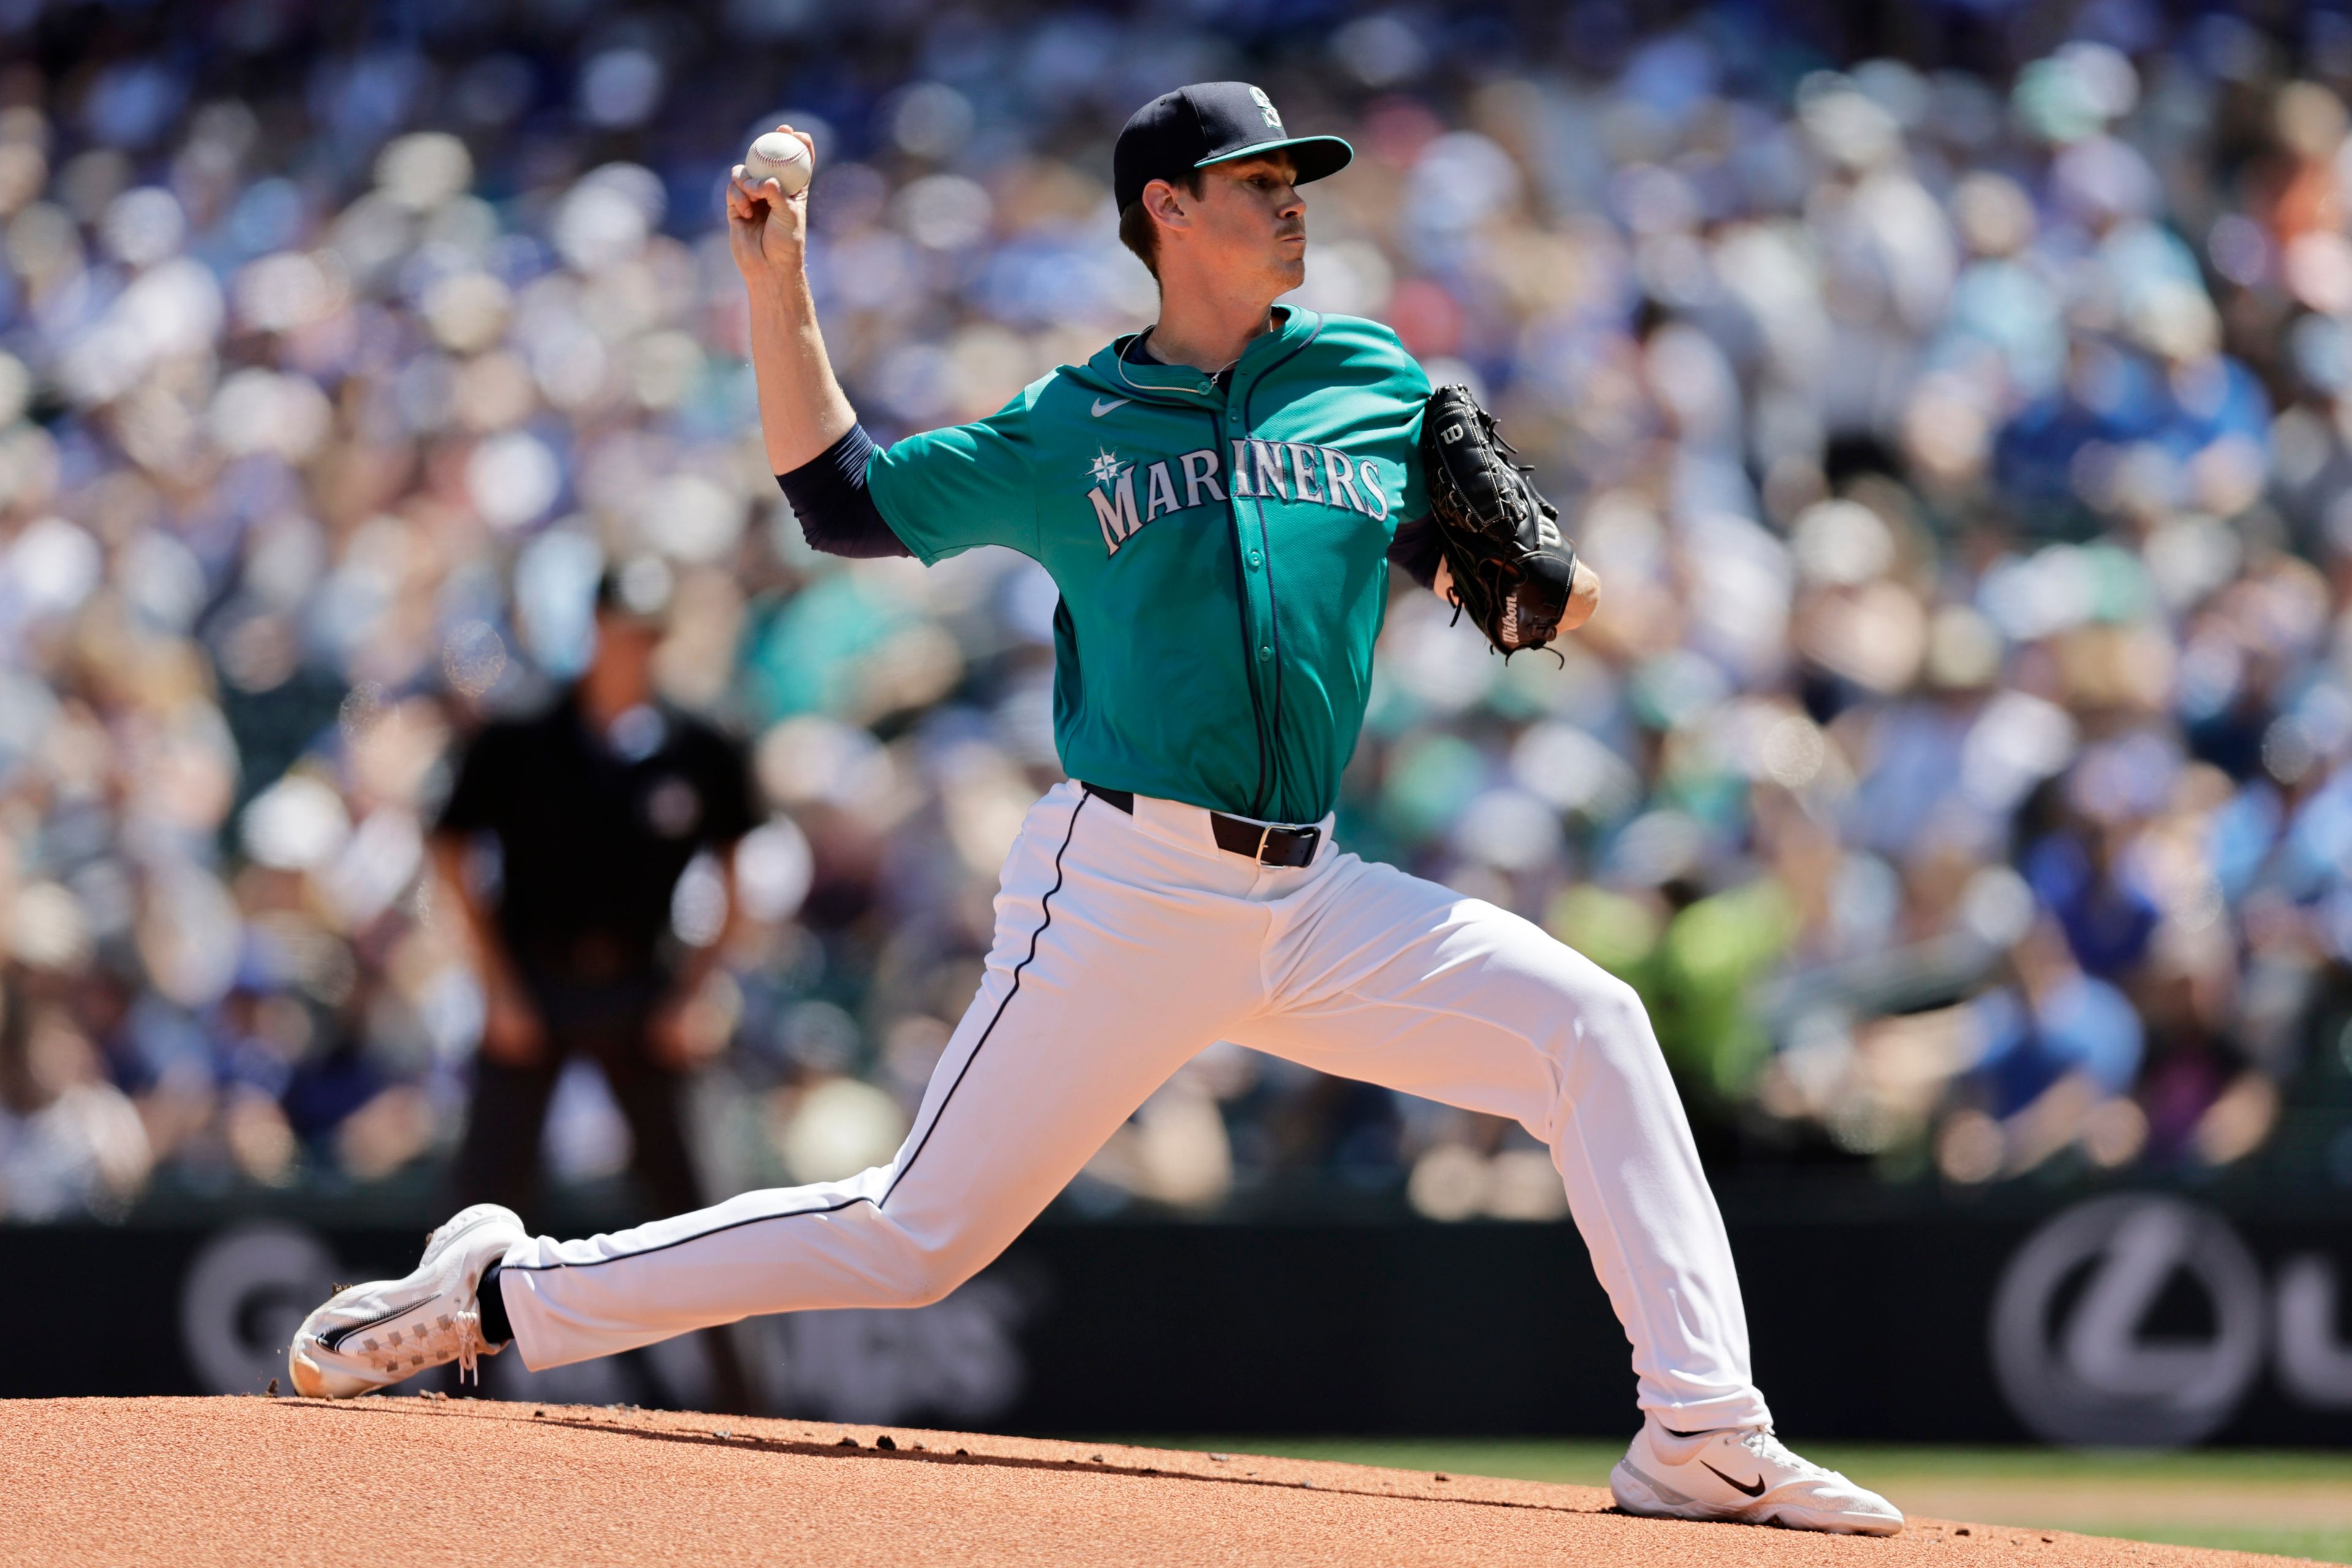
[(1125, 944)]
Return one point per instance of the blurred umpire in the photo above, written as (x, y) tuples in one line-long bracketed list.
[(594, 808)]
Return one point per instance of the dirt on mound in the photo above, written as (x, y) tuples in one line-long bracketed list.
[(187, 1483)]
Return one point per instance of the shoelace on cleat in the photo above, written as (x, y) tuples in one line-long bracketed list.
[(470, 1345)]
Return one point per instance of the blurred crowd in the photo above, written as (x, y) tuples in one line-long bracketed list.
[(1960, 765)]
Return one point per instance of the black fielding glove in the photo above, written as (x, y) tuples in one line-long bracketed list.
[(1512, 570)]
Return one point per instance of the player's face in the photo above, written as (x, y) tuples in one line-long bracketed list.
[(1253, 221)]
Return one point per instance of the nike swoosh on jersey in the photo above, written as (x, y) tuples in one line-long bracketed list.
[(1105, 405)]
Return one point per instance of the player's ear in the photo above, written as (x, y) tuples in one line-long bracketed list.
[(1165, 202)]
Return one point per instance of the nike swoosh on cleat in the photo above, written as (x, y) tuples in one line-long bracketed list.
[(1742, 1487), (333, 1337), (1105, 405)]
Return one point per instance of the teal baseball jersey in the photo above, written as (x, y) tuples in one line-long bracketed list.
[(1222, 550)]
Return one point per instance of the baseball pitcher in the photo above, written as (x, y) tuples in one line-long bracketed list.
[(1217, 499)]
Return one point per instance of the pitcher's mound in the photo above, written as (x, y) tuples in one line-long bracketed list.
[(185, 1483)]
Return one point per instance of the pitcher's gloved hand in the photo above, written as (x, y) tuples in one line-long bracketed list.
[(1512, 572)]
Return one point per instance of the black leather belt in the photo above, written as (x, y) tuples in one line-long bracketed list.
[(1266, 844)]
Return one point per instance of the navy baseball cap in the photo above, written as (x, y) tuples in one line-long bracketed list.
[(1212, 122)]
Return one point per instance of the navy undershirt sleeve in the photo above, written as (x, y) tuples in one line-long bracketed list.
[(837, 514), (1414, 548)]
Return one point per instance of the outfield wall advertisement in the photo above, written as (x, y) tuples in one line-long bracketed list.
[(2126, 1318)]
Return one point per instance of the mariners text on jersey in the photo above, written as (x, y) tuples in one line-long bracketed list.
[(1221, 550), (1323, 474)]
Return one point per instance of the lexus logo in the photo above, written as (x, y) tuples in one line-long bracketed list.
[(2079, 1341)]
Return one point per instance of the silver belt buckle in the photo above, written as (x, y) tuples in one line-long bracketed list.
[(1265, 832)]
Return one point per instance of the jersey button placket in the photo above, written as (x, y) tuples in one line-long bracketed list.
[(1256, 588)]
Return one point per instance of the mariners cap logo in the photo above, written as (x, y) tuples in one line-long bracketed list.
[(1266, 106)]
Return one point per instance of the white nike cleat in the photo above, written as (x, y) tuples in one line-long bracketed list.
[(1745, 1475), (370, 1336)]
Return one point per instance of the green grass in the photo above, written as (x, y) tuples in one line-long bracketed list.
[(2294, 1504)]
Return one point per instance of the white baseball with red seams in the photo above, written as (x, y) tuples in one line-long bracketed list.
[(780, 156), (1124, 946)]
